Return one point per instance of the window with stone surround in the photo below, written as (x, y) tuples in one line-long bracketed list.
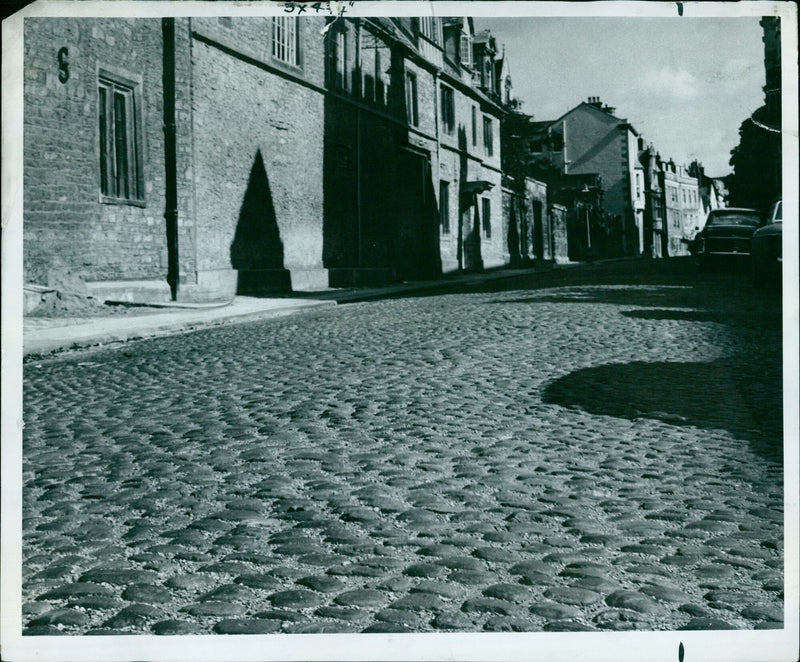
[(448, 110), (412, 110), (465, 50), (285, 43), (444, 207), (488, 135), (119, 126)]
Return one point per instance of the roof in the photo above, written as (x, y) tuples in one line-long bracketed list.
[(620, 121)]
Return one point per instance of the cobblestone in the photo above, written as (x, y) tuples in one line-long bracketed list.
[(541, 455)]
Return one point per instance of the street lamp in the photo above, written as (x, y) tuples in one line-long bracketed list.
[(586, 192)]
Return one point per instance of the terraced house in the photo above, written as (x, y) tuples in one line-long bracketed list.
[(197, 158), (412, 159)]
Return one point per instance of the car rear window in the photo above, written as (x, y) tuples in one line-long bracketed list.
[(732, 218)]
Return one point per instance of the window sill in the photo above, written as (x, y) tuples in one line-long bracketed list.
[(288, 67), (108, 200)]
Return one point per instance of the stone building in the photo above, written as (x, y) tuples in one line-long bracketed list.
[(535, 185), (673, 205), (588, 146), (594, 141), (527, 223), (174, 158), (656, 239), (412, 175), (197, 158), (683, 205)]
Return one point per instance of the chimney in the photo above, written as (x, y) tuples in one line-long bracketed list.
[(609, 109), (595, 101)]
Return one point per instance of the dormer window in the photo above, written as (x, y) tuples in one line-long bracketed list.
[(465, 50)]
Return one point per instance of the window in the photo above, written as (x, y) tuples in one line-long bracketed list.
[(121, 173), (448, 110), (444, 207), (284, 39), (486, 217), (411, 99), (488, 136), (474, 125), (429, 28), (465, 50), (338, 59)]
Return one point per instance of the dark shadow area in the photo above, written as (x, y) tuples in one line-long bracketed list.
[(257, 249), (515, 249), (380, 217), (738, 394), (469, 213)]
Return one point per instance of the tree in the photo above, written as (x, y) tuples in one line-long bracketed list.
[(756, 161)]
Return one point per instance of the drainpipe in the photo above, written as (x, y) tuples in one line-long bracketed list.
[(359, 220), (170, 156), (358, 187)]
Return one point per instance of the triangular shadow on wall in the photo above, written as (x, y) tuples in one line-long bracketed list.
[(257, 249)]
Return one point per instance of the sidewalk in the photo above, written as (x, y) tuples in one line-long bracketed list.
[(46, 335)]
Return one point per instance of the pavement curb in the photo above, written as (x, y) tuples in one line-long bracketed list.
[(71, 337)]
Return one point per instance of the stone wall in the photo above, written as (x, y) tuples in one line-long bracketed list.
[(558, 225), (66, 225), (258, 140)]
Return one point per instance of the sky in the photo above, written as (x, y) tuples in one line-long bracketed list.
[(685, 84)]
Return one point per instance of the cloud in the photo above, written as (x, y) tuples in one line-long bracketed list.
[(670, 82)]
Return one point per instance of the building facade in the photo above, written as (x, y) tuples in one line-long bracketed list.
[(162, 192), (683, 205), (595, 141), (198, 158), (591, 149)]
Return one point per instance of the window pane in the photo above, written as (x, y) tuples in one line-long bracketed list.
[(474, 125), (411, 99), (284, 39), (102, 101), (121, 145), (444, 207)]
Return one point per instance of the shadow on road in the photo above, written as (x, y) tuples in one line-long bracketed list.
[(724, 394)]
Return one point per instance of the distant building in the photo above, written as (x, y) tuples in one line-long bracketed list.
[(588, 158), (656, 238), (683, 207), (713, 194)]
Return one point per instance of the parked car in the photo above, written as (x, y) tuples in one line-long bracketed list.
[(766, 248), (726, 236)]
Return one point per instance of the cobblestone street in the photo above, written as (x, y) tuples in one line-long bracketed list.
[(596, 448)]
